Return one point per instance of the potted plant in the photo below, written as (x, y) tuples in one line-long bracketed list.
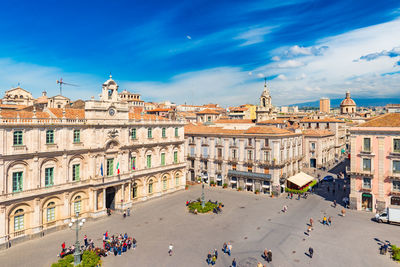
[(240, 189), (225, 185), (186, 187), (257, 191), (212, 183)]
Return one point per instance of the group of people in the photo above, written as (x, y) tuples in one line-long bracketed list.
[(212, 257), (290, 195), (118, 244), (66, 251), (267, 255), (326, 221)]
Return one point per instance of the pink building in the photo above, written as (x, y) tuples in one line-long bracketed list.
[(375, 164)]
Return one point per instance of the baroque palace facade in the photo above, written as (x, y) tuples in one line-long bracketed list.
[(55, 163)]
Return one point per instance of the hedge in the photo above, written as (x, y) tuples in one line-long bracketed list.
[(89, 259), (395, 253), (209, 206), (303, 190)]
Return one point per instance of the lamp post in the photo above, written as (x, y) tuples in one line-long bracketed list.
[(78, 225), (203, 204)]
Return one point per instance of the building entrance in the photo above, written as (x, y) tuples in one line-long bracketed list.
[(366, 202), (110, 198), (313, 163)]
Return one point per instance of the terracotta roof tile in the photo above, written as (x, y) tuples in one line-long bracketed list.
[(208, 111), (267, 130), (314, 132), (23, 114), (321, 120), (70, 113), (386, 120), (273, 121), (223, 120)]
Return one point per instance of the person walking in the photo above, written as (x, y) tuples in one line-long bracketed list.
[(311, 222), (129, 211), (334, 203), (311, 252), (324, 220), (269, 254), (234, 262), (308, 230), (343, 212), (170, 247), (265, 254), (329, 220), (85, 240), (124, 214), (213, 260), (216, 253), (224, 247), (209, 258), (229, 248)]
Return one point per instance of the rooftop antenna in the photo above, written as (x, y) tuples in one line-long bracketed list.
[(61, 82)]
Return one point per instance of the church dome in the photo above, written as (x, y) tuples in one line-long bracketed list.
[(347, 101)]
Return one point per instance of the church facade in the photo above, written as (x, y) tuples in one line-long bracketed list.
[(57, 163)]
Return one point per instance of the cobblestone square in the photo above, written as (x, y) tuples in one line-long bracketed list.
[(249, 222)]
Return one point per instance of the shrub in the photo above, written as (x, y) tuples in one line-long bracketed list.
[(396, 253), (240, 189), (225, 185), (197, 206), (212, 183), (257, 191), (89, 259)]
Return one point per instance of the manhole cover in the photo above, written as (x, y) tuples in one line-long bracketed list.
[(248, 262)]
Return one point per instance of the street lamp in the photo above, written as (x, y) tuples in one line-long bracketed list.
[(203, 204), (78, 225)]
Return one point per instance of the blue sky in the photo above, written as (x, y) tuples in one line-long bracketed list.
[(203, 51)]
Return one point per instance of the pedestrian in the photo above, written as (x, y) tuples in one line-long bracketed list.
[(324, 220), (308, 230), (63, 247), (334, 203), (291, 195), (216, 253), (269, 254), (285, 208), (124, 214), (129, 211), (213, 260), (311, 252), (343, 212), (329, 220), (234, 262), (170, 247), (209, 258), (85, 240), (229, 248), (298, 196), (259, 264), (224, 247), (311, 222)]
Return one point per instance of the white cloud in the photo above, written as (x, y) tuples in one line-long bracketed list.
[(37, 78), (260, 75), (276, 58), (189, 37), (253, 35), (281, 77), (290, 64)]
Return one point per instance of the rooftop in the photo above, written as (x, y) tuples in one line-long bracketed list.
[(386, 120)]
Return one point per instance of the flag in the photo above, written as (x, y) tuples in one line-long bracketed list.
[(133, 163), (101, 169), (118, 168)]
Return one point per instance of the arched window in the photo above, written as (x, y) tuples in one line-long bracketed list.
[(165, 185), (177, 179), (77, 204), (150, 186), (19, 220), (134, 190), (51, 212)]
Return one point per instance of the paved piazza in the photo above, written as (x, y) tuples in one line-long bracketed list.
[(250, 222)]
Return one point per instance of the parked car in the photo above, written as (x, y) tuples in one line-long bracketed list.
[(328, 178)]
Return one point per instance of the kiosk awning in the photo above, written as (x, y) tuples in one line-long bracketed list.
[(300, 179)]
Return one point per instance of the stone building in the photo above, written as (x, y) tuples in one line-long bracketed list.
[(319, 148), (59, 162), (258, 158), (348, 106), (375, 164), (265, 110), (18, 96), (325, 105)]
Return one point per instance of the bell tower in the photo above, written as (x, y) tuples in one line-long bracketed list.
[(110, 91)]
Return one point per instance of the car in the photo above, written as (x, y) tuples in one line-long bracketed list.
[(328, 178)]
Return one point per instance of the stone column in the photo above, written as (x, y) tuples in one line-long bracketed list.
[(122, 196), (380, 175), (4, 224), (104, 198), (130, 191), (96, 195)]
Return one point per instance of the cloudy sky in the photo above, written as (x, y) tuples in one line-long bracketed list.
[(203, 51)]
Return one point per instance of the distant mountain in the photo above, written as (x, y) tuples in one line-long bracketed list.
[(360, 102)]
